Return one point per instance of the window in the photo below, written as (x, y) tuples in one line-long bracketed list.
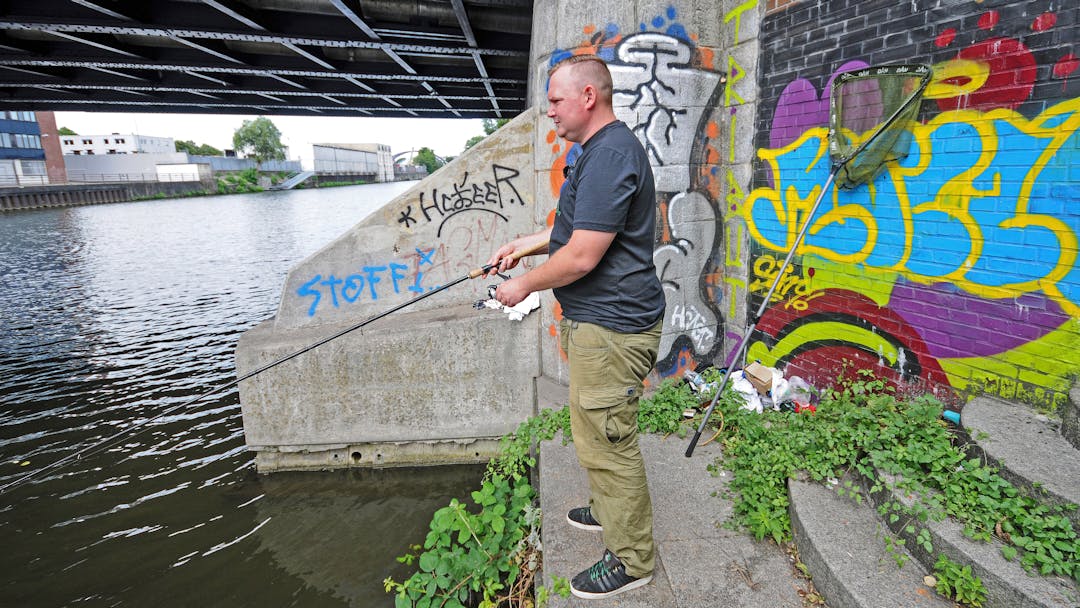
[(111, 151), (5, 140), (76, 152), (89, 152), (88, 142), (69, 142), (106, 140), (119, 141)]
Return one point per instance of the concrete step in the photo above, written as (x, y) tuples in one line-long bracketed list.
[(1007, 584), (1027, 447), (698, 562), (1070, 417), (843, 545)]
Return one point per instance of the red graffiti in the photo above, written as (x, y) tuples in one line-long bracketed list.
[(1011, 79), (989, 20), (821, 359), (1044, 22), (945, 38), (1066, 65)]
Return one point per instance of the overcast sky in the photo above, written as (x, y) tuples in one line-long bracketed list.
[(445, 136)]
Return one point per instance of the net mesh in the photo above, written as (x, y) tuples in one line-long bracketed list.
[(871, 110)]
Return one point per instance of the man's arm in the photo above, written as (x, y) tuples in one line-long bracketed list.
[(571, 262), (502, 256)]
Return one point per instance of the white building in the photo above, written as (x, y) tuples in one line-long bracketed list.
[(115, 143), (355, 159)]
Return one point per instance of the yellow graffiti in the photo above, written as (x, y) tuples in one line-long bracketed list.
[(735, 283), (736, 14), (957, 77), (736, 194), (766, 269), (1051, 362), (733, 249), (812, 332), (951, 193)]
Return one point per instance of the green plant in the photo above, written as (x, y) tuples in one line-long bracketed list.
[(958, 583), (861, 426), (487, 557), (662, 412)]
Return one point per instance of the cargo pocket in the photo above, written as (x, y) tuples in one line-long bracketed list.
[(591, 367)]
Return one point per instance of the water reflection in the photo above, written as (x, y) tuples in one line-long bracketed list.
[(112, 314)]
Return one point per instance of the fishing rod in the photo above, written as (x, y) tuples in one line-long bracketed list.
[(140, 426)]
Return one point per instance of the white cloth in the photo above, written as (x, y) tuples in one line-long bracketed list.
[(518, 311)]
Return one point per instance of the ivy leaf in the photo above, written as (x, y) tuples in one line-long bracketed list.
[(1008, 552)]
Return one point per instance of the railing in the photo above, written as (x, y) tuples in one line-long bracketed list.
[(95, 178)]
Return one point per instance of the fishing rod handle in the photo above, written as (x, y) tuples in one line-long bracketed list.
[(517, 255)]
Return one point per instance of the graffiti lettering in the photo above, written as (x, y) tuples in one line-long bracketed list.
[(995, 214), (351, 288), (689, 319), (766, 268), (465, 196)]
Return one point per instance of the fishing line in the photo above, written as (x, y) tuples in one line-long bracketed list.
[(140, 426)]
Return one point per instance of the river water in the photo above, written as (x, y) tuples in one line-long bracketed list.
[(112, 314)]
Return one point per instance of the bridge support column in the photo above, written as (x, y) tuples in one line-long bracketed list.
[(683, 75)]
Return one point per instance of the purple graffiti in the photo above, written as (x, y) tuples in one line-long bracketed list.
[(800, 108), (956, 324)]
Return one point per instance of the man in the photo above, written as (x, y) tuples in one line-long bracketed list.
[(602, 273)]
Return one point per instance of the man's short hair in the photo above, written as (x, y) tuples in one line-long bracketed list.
[(589, 69)]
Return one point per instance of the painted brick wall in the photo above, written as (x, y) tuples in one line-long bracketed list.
[(958, 267)]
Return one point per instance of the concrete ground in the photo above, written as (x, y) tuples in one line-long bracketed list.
[(699, 563)]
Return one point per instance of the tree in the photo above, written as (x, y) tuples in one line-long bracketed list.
[(66, 131), (490, 126), (259, 139), (199, 150), (425, 157)]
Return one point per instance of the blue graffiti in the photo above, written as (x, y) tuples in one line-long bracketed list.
[(986, 201), (351, 288)]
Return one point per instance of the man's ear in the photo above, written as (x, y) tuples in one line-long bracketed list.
[(590, 96)]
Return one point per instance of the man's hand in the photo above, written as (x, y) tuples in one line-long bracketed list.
[(512, 292), (501, 260)]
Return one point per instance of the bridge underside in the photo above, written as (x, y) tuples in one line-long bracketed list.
[(385, 58)]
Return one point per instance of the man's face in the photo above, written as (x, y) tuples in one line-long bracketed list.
[(566, 105)]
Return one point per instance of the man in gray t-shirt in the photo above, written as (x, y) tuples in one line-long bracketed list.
[(601, 271)]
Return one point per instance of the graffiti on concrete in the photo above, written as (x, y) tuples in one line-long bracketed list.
[(367, 283), (664, 89), (489, 196)]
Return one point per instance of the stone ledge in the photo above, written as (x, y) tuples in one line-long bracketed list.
[(1005, 433), (842, 544)]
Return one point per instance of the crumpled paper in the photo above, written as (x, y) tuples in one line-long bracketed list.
[(518, 311)]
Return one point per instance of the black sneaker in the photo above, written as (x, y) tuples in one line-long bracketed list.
[(605, 578), (581, 517)]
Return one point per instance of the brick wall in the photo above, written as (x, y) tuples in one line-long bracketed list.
[(958, 267)]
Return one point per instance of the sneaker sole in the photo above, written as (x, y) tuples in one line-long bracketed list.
[(581, 526), (641, 582)]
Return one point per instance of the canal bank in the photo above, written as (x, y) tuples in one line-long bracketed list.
[(17, 198)]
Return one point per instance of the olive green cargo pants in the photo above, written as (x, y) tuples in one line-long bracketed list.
[(606, 373)]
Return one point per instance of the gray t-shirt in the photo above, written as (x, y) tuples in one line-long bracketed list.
[(610, 189)]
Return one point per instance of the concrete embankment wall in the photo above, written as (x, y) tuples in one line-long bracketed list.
[(436, 382), (67, 195)]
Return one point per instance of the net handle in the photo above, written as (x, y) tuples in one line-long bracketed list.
[(916, 95)]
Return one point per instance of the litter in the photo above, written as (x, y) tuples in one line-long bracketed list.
[(766, 388)]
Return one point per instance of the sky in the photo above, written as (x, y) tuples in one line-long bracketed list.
[(445, 136)]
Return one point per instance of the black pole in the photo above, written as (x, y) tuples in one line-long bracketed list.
[(745, 341)]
